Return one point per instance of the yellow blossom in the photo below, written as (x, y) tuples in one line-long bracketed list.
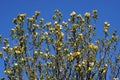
[(48, 24), (73, 14), (105, 30), (35, 52), (87, 15), (22, 59), (1, 53), (83, 62), (91, 64), (30, 19), (94, 11), (40, 52), (17, 52), (106, 24), (22, 15), (80, 35), (97, 41), (37, 13), (79, 16), (62, 34), (75, 54), (96, 47), (12, 30), (9, 72), (89, 68), (46, 55)]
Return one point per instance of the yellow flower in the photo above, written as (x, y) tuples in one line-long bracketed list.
[(105, 30), (30, 19), (91, 64), (115, 79), (75, 54), (95, 47), (83, 62), (79, 16), (80, 36), (94, 11), (73, 14), (22, 15), (55, 23), (15, 20), (48, 24), (40, 52), (17, 52), (46, 55), (62, 34), (106, 24), (106, 65), (12, 30), (37, 13), (35, 52), (22, 59), (77, 67), (9, 72), (97, 41), (89, 68), (15, 48), (56, 11), (90, 46), (1, 53), (41, 19), (69, 57), (42, 37), (87, 15), (5, 40), (10, 50)]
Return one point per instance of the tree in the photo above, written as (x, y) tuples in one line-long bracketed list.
[(60, 50)]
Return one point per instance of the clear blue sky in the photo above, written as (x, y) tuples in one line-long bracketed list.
[(108, 11)]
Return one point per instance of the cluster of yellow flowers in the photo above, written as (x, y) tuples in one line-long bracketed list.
[(106, 26), (93, 47), (71, 56)]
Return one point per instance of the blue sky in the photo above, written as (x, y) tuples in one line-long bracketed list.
[(108, 10)]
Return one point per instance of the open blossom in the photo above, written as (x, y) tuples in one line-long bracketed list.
[(73, 14), (106, 24), (37, 13), (87, 14), (30, 19)]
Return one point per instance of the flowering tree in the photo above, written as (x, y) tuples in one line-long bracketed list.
[(60, 50)]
